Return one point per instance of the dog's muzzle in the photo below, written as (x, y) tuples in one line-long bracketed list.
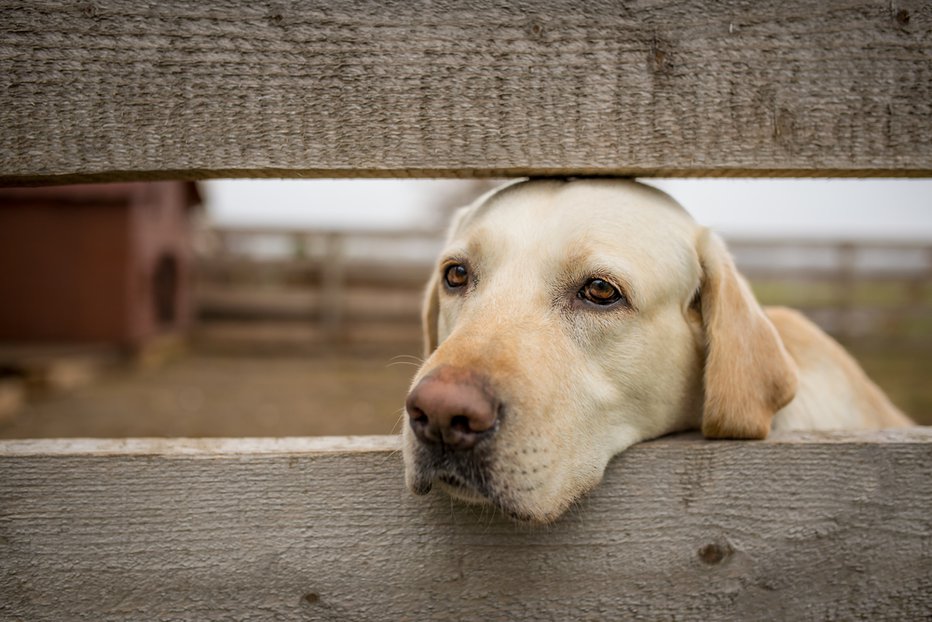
[(454, 416)]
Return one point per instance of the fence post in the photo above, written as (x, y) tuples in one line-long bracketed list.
[(847, 256), (333, 270)]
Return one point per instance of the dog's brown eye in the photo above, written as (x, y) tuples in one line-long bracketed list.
[(600, 292), (456, 276)]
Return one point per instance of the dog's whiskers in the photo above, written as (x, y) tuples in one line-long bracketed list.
[(396, 429), (411, 363), (407, 359)]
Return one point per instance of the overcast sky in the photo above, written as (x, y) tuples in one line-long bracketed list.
[(806, 207)]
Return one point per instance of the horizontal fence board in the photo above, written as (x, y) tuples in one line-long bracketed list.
[(796, 527), (189, 89)]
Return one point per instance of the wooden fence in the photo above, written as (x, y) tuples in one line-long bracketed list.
[(833, 527), (802, 527), (853, 288), (342, 279), (326, 263), (123, 90)]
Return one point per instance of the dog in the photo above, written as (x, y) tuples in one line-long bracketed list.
[(568, 319)]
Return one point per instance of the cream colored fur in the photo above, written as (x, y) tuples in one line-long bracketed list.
[(581, 384)]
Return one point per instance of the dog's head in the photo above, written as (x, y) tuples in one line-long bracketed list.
[(567, 320)]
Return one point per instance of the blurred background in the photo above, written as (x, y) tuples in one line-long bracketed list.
[(277, 308)]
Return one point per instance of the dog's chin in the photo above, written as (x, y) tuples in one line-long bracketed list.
[(463, 491), (422, 483), (476, 478)]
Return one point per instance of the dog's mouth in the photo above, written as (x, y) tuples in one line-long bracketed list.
[(458, 488), (462, 476), (455, 486), (468, 492), (469, 479), (465, 476)]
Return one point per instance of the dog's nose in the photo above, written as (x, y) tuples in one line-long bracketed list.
[(452, 407)]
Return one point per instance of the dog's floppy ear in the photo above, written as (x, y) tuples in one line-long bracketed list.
[(749, 375), (429, 313)]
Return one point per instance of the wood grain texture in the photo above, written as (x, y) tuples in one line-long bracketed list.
[(798, 527), (183, 88)]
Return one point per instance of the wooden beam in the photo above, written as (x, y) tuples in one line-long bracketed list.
[(796, 527), (126, 90)]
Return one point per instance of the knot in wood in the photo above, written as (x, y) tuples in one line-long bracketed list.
[(536, 29), (715, 553)]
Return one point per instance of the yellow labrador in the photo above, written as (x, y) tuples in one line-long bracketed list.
[(569, 319)]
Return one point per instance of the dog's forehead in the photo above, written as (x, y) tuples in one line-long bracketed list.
[(603, 219)]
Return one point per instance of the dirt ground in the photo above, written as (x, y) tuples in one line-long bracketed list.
[(235, 393), (208, 395)]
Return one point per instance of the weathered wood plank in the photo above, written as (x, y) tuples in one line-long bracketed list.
[(192, 89), (797, 527)]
